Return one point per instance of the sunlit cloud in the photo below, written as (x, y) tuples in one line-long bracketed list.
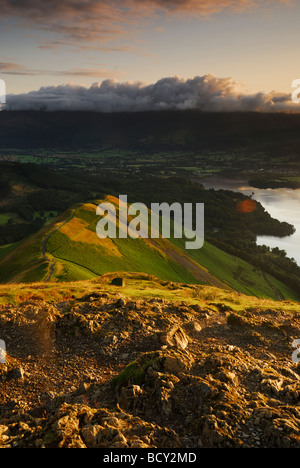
[(11, 68), (100, 21), (206, 93), (208, 7)]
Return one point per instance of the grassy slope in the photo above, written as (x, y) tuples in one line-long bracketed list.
[(237, 273), (24, 262), (78, 254), (141, 286), (69, 243)]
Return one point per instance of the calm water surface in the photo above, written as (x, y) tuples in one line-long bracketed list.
[(282, 204)]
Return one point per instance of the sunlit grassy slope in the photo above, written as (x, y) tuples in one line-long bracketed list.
[(69, 250), (141, 286)]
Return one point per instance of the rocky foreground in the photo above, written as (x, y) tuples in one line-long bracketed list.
[(110, 372)]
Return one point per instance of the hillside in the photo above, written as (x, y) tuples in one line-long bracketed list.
[(68, 249), (277, 134), (146, 365), (34, 197)]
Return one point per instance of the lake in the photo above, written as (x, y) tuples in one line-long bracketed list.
[(282, 204)]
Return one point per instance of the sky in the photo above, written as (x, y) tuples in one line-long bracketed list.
[(124, 54)]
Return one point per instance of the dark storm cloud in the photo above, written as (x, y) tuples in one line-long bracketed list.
[(206, 93)]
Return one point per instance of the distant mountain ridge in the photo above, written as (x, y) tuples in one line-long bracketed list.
[(151, 131)]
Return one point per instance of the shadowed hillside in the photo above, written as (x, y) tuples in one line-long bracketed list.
[(152, 131)]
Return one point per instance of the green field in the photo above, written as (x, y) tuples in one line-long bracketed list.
[(6, 217), (45, 215)]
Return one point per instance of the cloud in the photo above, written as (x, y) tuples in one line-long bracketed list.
[(100, 20), (11, 68), (55, 45), (204, 7), (75, 20), (205, 93)]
